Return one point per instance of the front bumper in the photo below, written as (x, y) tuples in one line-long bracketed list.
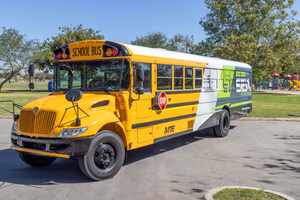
[(56, 147)]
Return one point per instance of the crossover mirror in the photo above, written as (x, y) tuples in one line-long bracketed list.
[(73, 95)]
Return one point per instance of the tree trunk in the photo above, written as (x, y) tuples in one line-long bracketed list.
[(7, 79)]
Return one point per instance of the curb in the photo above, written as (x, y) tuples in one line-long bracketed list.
[(6, 117), (269, 119), (209, 195)]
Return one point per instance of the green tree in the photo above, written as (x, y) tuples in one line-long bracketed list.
[(44, 54), (245, 48), (267, 27), (154, 40), (15, 53), (181, 43)]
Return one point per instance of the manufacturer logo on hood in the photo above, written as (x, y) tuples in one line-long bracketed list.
[(35, 110)]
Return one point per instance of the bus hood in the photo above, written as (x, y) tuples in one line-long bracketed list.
[(59, 103), (42, 116)]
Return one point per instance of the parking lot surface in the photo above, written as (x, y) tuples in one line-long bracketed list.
[(255, 153)]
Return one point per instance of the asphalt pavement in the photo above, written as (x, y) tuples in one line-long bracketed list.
[(261, 154)]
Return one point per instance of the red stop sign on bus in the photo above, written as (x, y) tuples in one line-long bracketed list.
[(161, 100)]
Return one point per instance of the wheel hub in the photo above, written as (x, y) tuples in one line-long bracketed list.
[(104, 156)]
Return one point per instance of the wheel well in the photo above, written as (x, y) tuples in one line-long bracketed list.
[(117, 129), (227, 108)]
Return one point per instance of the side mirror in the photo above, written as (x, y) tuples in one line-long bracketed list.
[(73, 95), (31, 69), (139, 78), (139, 74)]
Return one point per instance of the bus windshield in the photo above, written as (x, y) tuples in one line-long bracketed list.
[(104, 75)]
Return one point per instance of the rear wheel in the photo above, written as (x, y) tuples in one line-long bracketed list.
[(36, 161), (104, 158), (224, 124)]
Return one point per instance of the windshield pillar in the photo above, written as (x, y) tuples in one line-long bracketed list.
[(121, 75)]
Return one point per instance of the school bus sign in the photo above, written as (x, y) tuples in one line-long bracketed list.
[(86, 51)]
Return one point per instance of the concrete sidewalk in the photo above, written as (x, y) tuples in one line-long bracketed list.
[(277, 92)]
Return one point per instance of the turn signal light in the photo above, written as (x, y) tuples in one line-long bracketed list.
[(121, 98)]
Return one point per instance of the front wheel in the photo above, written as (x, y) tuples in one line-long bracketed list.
[(224, 124), (104, 158), (36, 161)]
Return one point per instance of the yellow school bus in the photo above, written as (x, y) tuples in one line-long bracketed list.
[(110, 98)]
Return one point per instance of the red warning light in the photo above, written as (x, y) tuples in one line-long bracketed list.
[(115, 51), (59, 55)]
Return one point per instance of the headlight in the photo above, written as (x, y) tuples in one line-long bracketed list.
[(14, 127), (72, 132)]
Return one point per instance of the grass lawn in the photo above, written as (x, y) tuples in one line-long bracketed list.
[(20, 94), (245, 194), (275, 105)]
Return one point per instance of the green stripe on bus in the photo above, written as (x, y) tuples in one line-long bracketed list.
[(232, 105), (221, 106), (241, 103)]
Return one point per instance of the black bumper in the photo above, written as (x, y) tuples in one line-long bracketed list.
[(70, 147)]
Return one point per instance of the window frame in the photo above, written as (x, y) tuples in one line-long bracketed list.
[(196, 78), (162, 77), (185, 78), (179, 78), (133, 85)]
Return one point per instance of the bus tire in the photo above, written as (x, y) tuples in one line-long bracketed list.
[(224, 124), (104, 158), (36, 161)]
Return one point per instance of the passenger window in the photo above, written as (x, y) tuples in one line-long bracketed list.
[(164, 77), (188, 78), (198, 78), (147, 83), (178, 77)]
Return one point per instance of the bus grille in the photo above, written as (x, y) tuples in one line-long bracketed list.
[(42, 123)]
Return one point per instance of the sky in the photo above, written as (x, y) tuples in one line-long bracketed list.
[(118, 20)]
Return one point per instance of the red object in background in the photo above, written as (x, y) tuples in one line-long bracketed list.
[(275, 74), (287, 76), (295, 77), (161, 100)]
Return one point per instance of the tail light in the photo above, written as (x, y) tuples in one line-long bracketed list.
[(59, 55)]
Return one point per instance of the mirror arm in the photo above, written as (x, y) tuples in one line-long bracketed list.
[(132, 99)]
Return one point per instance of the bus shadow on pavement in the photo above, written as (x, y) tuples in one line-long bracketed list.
[(167, 145), (14, 171)]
